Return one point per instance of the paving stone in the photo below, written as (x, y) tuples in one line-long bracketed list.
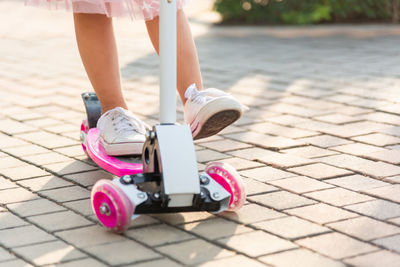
[(379, 209), (225, 145), (321, 213), (394, 131), (69, 167), (6, 184), (249, 153), (44, 183), (300, 184), (320, 171), (10, 162), (34, 207), (381, 117), (158, 235), (24, 235), (375, 259), (89, 178), (194, 252), (183, 217), (357, 128), (274, 129), (122, 252), (252, 213), (70, 151), (7, 142), (66, 194), (89, 236), (358, 149), (390, 156), (395, 221), (241, 164), (155, 263), (299, 257), (378, 139), (27, 171), (309, 152), (393, 179), (56, 142), (337, 118), (81, 206), (254, 187), (18, 263), (238, 260), (284, 160), (339, 196), (9, 220), (47, 158), (326, 244), (216, 228), (27, 150), (357, 182), (6, 255), (287, 120), (15, 195), (391, 192), (391, 242), (291, 227), (264, 174), (143, 220), (209, 155), (15, 127), (366, 167), (49, 253), (88, 262), (59, 221), (254, 243), (281, 200), (325, 141), (365, 228), (265, 141)]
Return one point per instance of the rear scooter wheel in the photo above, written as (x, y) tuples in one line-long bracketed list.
[(230, 179), (84, 132), (111, 206)]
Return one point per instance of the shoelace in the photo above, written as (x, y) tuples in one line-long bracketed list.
[(123, 122), (201, 97), (194, 95)]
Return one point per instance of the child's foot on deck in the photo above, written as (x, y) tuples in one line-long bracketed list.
[(209, 111), (121, 132)]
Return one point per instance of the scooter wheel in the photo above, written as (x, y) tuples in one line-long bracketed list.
[(111, 206), (84, 132), (230, 179)]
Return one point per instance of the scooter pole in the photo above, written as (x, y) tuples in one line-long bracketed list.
[(168, 65)]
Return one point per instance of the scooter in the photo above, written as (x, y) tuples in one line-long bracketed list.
[(165, 178)]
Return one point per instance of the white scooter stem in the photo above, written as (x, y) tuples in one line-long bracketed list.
[(168, 65)]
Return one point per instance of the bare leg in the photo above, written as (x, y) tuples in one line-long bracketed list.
[(187, 61), (98, 50)]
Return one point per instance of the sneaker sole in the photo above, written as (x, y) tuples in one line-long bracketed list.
[(212, 119), (217, 123), (122, 149)]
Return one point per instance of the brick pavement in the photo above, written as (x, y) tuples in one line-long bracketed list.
[(318, 149)]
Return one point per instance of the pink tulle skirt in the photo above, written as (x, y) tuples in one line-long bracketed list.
[(136, 9)]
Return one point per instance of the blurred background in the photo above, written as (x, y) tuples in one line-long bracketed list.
[(307, 12)]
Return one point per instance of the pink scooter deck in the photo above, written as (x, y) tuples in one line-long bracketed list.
[(118, 166)]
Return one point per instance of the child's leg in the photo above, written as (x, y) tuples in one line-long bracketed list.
[(187, 61), (98, 50)]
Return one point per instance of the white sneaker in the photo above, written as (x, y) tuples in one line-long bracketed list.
[(121, 132), (209, 111)]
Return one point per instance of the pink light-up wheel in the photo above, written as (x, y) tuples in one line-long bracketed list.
[(84, 132), (111, 206), (228, 178)]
